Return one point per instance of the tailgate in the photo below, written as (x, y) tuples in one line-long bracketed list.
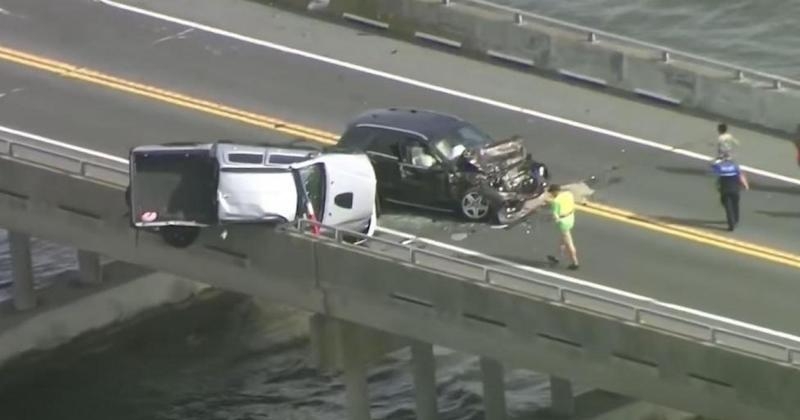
[(173, 186)]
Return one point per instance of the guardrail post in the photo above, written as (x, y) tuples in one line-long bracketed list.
[(424, 368), (665, 57), (739, 75), (446, 2), (777, 85), (494, 389), (518, 18), (22, 271), (592, 38), (90, 268), (562, 401)]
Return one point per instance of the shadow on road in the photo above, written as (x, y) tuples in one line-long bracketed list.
[(717, 224), (782, 214)]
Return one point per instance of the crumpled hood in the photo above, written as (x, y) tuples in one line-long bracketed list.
[(502, 154)]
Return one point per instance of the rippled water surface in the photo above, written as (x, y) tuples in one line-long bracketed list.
[(236, 359), (760, 34)]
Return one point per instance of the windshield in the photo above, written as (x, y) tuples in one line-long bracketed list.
[(313, 179), (459, 139)]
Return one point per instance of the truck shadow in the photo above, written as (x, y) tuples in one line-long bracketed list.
[(781, 214)]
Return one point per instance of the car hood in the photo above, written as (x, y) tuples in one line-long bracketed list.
[(502, 154)]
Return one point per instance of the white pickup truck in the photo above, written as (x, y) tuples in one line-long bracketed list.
[(179, 188)]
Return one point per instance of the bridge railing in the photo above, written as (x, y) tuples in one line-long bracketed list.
[(461, 263), (73, 160), (541, 284), (664, 53)]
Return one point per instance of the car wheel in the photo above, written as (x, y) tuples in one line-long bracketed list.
[(179, 236), (474, 205)]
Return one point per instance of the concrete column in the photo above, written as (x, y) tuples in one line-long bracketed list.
[(90, 268), (562, 400), (355, 381), (22, 269), (494, 389), (424, 368)]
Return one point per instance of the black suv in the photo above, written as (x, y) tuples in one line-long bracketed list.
[(437, 161)]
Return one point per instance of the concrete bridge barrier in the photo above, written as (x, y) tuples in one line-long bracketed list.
[(481, 29)]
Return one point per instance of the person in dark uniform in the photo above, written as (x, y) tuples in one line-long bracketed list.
[(730, 179)]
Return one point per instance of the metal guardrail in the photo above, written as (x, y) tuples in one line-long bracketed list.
[(665, 53), (465, 264), (73, 160), (567, 291)]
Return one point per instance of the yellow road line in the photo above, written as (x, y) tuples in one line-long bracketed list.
[(213, 108), (694, 235), (68, 70)]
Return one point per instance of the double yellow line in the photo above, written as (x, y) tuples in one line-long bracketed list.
[(260, 120), (91, 76)]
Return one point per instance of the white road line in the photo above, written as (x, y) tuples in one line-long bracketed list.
[(41, 139), (411, 238), (440, 89)]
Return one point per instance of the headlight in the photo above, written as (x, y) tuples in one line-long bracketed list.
[(541, 171)]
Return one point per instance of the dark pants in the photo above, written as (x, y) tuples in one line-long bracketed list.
[(730, 201)]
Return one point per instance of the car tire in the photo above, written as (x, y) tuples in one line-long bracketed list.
[(474, 205), (179, 236)]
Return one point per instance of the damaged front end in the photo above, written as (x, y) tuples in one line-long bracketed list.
[(508, 177), (510, 173)]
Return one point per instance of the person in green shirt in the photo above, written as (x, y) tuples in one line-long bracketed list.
[(562, 205)]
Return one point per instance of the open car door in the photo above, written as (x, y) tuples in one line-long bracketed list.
[(173, 185)]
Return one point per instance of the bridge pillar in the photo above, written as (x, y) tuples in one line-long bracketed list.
[(22, 269), (494, 389), (355, 379), (562, 400), (424, 368), (90, 268)]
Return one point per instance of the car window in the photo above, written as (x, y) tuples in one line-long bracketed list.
[(417, 153), (254, 158), (283, 159), (313, 179), (457, 140), (386, 141), (358, 138)]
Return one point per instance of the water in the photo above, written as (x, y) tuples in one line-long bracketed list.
[(234, 358), (760, 34)]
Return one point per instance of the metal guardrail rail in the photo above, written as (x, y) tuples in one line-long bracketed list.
[(665, 53), (462, 263)]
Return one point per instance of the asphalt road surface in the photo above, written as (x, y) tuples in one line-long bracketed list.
[(319, 95)]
